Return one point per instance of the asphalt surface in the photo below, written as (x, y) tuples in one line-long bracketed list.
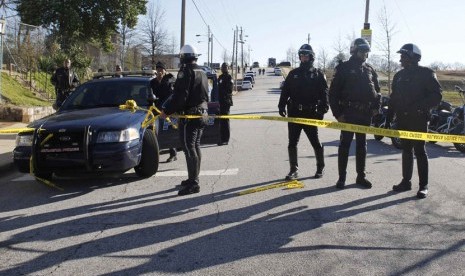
[(130, 226)]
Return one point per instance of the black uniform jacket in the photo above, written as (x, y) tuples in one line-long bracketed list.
[(225, 87), (415, 91), (162, 89), (64, 79), (355, 83), (190, 90), (306, 87)]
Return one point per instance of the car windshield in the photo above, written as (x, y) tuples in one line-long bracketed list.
[(247, 79), (107, 94)]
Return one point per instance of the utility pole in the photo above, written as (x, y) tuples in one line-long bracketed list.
[(366, 31), (183, 22), (237, 36), (308, 39), (234, 71), (211, 54), (242, 51), (208, 45)]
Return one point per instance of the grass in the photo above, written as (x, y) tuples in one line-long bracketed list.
[(14, 93)]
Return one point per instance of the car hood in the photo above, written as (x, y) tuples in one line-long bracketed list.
[(105, 117)]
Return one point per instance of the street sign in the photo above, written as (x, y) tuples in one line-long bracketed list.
[(366, 34)]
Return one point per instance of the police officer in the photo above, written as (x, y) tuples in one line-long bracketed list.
[(415, 90), (354, 97), (190, 97), (225, 89), (65, 80), (305, 93), (118, 72), (162, 88)]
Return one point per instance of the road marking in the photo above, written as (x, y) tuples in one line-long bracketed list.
[(28, 177), (205, 173)]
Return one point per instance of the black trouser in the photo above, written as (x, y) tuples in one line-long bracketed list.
[(294, 131), (346, 138), (224, 123), (190, 133), (61, 96), (414, 122)]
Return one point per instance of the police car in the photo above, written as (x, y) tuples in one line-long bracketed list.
[(91, 134)]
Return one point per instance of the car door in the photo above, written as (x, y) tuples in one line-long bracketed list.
[(168, 135)]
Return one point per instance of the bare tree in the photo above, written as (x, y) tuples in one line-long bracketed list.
[(226, 56), (341, 49), (384, 44), (323, 59), (153, 35), (291, 56)]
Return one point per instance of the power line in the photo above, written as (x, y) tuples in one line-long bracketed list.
[(203, 19)]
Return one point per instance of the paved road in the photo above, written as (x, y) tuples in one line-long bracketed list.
[(129, 226)]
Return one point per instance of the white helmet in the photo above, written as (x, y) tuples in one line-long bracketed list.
[(188, 52)]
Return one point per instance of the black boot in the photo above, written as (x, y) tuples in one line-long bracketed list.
[(191, 185), (422, 192), (342, 159), (320, 162), (403, 186), (360, 161), (293, 173)]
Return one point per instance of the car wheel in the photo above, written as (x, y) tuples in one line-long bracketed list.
[(23, 166), (148, 165), (378, 137), (460, 147)]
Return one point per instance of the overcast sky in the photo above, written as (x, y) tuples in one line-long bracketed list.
[(272, 27)]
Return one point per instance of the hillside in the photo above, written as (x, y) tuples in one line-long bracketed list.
[(14, 93)]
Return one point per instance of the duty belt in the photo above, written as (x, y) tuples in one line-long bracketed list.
[(194, 111), (302, 107), (356, 105)]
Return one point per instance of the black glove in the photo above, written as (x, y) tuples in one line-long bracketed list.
[(282, 112), (322, 109)]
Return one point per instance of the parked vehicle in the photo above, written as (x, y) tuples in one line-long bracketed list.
[(249, 79), (277, 71), (444, 121), (380, 119), (447, 121), (246, 84), (91, 134)]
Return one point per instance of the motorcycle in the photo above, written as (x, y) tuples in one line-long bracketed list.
[(444, 120), (380, 119), (448, 122)]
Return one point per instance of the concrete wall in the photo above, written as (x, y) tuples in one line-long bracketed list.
[(24, 114)]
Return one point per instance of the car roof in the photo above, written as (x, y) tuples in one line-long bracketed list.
[(123, 79)]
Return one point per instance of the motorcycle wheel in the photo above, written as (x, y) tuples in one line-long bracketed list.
[(378, 137), (396, 142), (460, 147)]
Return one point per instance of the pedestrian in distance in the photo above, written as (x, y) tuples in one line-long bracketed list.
[(354, 98), (118, 72), (65, 81), (305, 94), (162, 89), (225, 89), (415, 90), (190, 97)]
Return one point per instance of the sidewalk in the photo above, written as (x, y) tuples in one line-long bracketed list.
[(7, 144)]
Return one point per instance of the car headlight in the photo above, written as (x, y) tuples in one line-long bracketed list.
[(24, 140), (118, 136)]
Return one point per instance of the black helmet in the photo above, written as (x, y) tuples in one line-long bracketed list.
[(188, 53), (411, 50), (306, 49), (359, 44), (160, 65), (224, 65)]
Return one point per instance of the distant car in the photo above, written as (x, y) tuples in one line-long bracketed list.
[(246, 85), (252, 72), (207, 69), (277, 71), (249, 78), (91, 134), (256, 64)]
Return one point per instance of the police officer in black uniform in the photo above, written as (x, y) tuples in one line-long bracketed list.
[(354, 97), (65, 81), (305, 93), (190, 97), (162, 88), (415, 90), (225, 89)]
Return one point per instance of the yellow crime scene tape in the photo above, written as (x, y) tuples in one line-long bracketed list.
[(294, 184), (150, 118)]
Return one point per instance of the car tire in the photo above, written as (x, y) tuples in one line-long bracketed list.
[(23, 166), (379, 137), (460, 147), (150, 157)]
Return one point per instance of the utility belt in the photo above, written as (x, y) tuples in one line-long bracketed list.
[(413, 112), (302, 107), (197, 110), (367, 107)]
